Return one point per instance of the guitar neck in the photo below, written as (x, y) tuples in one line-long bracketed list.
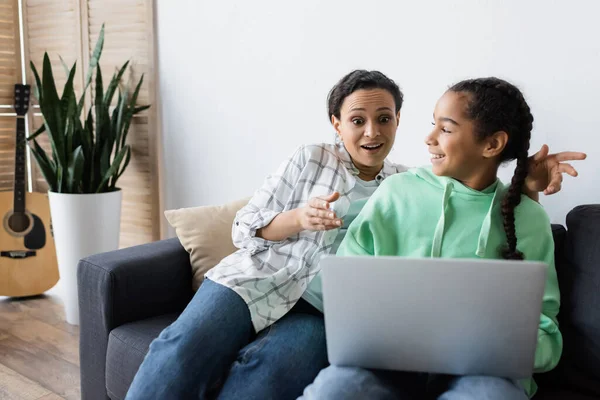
[(19, 188)]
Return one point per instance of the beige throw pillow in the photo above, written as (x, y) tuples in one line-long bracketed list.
[(205, 233)]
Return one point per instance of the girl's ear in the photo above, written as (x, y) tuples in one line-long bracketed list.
[(495, 144), (398, 118)]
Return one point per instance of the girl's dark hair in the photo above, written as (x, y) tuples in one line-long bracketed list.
[(361, 79), (496, 105)]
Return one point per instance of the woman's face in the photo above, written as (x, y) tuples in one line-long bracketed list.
[(454, 147), (367, 126)]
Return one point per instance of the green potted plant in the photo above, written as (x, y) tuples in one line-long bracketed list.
[(88, 156)]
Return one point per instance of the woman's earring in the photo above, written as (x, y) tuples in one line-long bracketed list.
[(338, 139)]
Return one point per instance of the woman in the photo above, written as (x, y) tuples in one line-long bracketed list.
[(458, 209), (256, 310)]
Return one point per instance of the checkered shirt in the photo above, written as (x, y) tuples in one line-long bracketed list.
[(271, 276)]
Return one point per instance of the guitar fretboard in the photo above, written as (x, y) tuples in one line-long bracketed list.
[(19, 190)]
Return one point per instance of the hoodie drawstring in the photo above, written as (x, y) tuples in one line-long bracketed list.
[(484, 232), (436, 249)]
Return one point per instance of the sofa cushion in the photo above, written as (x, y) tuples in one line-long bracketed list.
[(127, 347), (580, 300), (205, 232)]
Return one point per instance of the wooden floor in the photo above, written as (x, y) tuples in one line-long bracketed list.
[(39, 351)]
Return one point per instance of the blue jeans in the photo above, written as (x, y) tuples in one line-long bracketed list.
[(356, 383), (212, 351)]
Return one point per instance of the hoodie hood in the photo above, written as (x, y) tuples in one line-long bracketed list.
[(453, 187)]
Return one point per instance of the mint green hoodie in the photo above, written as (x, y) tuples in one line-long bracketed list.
[(419, 214)]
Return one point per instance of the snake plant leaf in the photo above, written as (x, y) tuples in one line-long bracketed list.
[(69, 108), (113, 122), (88, 146), (123, 167), (81, 102), (113, 168), (38, 83), (60, 179), (95, 57), (107, 144), (114, 83), (92, 66), (51, 111), (45, 165), (75, 171), (77, 133), (68, 95), (69, 140), (140, 109), (38, 132), (121, 106), (130, 111), (64, 64), (105, 158), (88, 138), (99, 89), (99, 128)]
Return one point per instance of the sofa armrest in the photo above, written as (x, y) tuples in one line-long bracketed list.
[(123, 286)]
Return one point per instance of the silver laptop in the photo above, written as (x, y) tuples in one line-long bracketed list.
[(452, 316)]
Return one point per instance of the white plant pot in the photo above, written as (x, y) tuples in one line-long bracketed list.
[(83, 224)]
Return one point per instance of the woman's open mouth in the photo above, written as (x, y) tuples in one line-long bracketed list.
[(372, 148)]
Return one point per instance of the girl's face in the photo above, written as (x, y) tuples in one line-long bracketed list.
[(367, 126), (455, 150)]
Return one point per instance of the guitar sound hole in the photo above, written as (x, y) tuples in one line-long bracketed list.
[(18, 222)]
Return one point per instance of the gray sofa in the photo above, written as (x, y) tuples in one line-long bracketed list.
[(127, 297)]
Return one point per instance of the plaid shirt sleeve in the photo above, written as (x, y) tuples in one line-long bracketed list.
[(268, 202)]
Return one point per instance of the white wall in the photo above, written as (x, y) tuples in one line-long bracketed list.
[(242, 83)]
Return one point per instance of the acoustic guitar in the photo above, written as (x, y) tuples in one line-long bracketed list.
[(27, 255)]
